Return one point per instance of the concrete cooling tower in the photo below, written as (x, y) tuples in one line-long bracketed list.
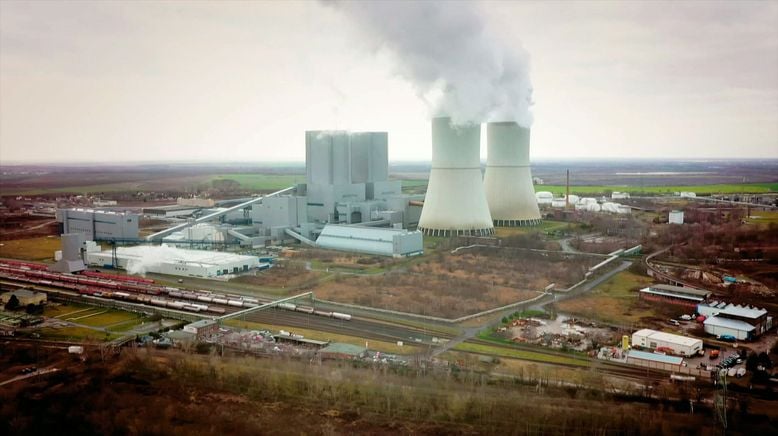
[(508, 180), (455, 203)]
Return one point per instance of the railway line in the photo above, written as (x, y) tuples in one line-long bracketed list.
[(145, 295)]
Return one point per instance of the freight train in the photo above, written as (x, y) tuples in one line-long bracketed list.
[(128, 288), (310, 310)]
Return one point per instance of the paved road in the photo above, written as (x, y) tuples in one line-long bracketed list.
[(472, 332), (32, 374)]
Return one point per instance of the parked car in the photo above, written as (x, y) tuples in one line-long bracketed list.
[(728, 338)]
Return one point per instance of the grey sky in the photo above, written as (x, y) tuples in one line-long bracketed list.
[(243, 81)]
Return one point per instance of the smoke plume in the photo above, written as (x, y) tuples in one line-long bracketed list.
[(453, 62)]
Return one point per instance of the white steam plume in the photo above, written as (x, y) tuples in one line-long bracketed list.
[(454, 63)]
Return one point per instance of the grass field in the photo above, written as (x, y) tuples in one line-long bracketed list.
[(30, 249), (733, 188), (722, 188), (763, 217), (520, 354), (613, 301), (105, 319), (75, 334), (386, 347), (544, 226), (262, 182)]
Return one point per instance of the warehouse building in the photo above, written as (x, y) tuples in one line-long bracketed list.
[(164, 259), (203, 328), (25, 297), (98, 225), (654, 361), (370, 240), (741, 322), (667, 342), (678, 295)]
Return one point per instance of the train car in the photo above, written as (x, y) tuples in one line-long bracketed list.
[(236, 303), (250, 300), (175, 305), (287, 306), (322, 313), (204, 298), (219, 310), (342, 316), (305, 309), (191, 308), (222, 301), (117, 277), (121, 294)]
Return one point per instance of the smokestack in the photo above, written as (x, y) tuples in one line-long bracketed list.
[(508, 179), (455, 203), (567, 191)]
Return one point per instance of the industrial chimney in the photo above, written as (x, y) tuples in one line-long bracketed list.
[(455, 203), (508, 180)]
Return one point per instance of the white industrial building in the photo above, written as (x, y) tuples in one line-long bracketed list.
[(371, 240), (455, 203), (741, 322), (508, 179), (675, 217), (98, 225), (164, 259), (680, 345)]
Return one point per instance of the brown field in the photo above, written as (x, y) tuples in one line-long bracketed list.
[(171, 393), (453, 285), (41, 248), (616, 302)]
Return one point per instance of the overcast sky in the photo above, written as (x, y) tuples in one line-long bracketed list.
[(160, 81)]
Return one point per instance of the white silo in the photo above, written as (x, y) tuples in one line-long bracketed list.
[(455, 203), (508, 179)]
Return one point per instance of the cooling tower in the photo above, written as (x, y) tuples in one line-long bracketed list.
[(455, 203), (508, 180)]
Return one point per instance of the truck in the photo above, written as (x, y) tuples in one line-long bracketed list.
[(714, 354)]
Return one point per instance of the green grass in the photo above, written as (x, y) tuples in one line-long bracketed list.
[(105, 319), (520, 354), (75, 334), (729, 188), (613, 301), (262, 182)]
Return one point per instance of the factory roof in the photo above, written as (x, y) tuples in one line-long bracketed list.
[(678, 290), (202, 323), (729, 323), (348, 349), (740, 311), (23, 293), (668, 337), (359, 232), (661, 358), (182, 256)]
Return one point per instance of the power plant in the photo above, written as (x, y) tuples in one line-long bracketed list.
[(508, 179), (455, 203)]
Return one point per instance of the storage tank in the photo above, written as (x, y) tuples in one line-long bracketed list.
[(544, 197), (455, 203), (508, 179)]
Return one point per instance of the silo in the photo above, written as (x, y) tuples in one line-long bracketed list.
[(455, 203), (508, 179)]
